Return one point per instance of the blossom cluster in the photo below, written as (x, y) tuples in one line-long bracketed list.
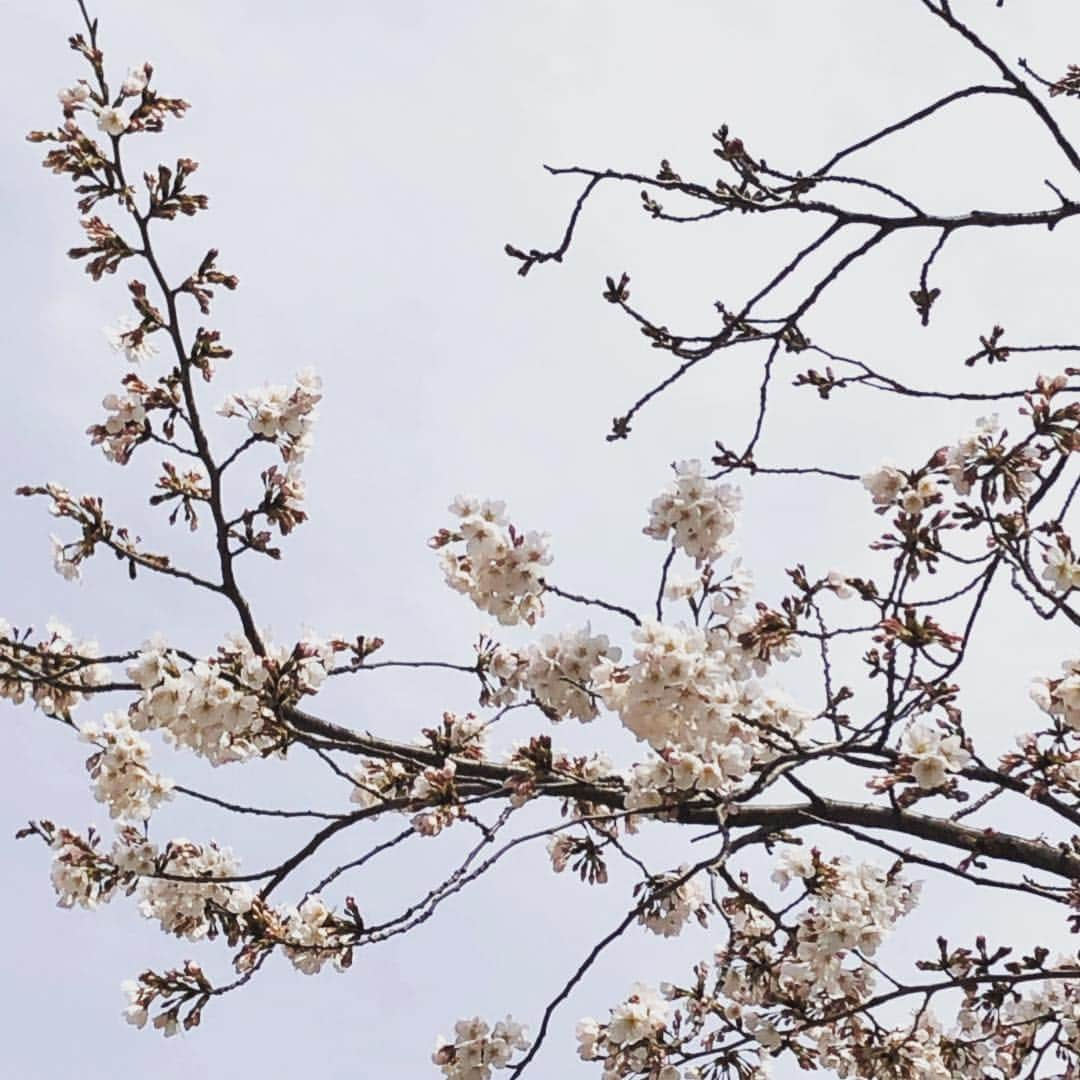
[(121, 769), (775, 973), (123, 428), (986, 1040), (687, 695), (283, 498), (980, 452), (478, 1048), (431, 792), (853, 908), (931, 754), (280, 414), (911, 492), (126, 424), (81, 874), (200, 710), (556, 670), (500, 569), (56, 673), (186, 888), (979, 457), (225, 709), (1052, 1002), (190, 908), (631, 1043), (313, 937), (458, 736), (111, 119), (730, 594), (435, 790), (698, 515)]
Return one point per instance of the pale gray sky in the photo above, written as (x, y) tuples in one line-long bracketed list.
[(366, 162)]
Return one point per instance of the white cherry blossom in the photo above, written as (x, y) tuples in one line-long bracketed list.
[(127, 337), (499, 568), (697, 514), (933, 754), (1061, 570), (477, 1048), (282, 415), (113, 120)]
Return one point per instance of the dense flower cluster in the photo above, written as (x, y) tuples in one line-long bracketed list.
[(80, 873), (121, 769), (556, 670), (224, 709), (200, 710), (431, 790), (280, 414), (631, 1043), (853, 907), (698, 515), (56, 673), (313, 937), (983, 1042), (778, 977), (477, 1048), (183, 887), (932, 754), (189, 909), (685, 695), (501, 570), (83, 874)]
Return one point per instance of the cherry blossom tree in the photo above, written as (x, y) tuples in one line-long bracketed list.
[(800, 888)]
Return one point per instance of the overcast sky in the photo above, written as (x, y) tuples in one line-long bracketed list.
[(366, 162)]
